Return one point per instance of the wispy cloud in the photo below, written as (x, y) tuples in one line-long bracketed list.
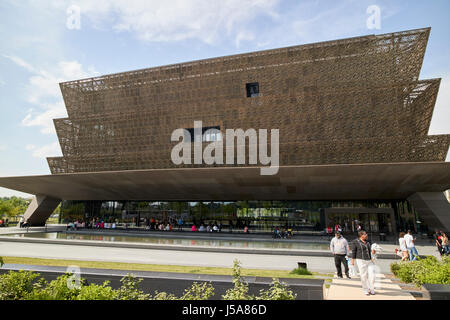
[(43, 91), (168, 21), (47, 150), (21, 63)]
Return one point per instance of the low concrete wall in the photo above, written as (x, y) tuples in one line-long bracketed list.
[(436, 291)]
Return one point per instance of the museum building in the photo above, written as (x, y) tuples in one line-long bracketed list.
[(352, 116)]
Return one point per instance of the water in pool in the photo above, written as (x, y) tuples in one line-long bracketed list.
[(269, 244)]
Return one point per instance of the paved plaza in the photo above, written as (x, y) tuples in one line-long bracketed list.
[(350, 289), (172, 257), (339, 289)]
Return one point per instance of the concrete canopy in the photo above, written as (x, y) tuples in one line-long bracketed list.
[(315, 182)]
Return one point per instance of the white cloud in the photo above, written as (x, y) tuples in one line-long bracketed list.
[(49, 150), (43, 91), (3, 147), (161, 20), (21, 63), (243, 36)]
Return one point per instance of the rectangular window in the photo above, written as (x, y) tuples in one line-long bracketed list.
[(252, 89), (209, 134)]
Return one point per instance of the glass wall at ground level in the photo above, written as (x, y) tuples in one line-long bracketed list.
[(257, 215)]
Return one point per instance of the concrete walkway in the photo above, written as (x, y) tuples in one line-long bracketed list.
[(350, 289)]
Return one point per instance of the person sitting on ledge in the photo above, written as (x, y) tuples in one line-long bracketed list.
[(246, 229), (202, 228), (290, 232), (194, 228), (70, 225), (215, 228), (276, 233)]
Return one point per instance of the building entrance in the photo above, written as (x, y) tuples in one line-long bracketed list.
[(370, 219)]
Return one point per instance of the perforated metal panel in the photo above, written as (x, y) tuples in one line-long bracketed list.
[(354, 100)]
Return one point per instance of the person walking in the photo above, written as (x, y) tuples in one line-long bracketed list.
[(403, 247), (438, 240), (180, 224), (362, 255), (340, 249), (410, 245), (445, 245)]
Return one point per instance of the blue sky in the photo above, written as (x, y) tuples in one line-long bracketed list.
[(38, 50)]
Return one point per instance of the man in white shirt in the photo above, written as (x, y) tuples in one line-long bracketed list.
[(413, 254), (340, 248)]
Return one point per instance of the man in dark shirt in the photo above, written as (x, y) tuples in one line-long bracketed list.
[(362, 255)]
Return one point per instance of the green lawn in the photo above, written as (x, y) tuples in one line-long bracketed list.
[(158, 268)]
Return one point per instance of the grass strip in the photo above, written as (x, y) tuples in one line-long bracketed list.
[(157, 267)]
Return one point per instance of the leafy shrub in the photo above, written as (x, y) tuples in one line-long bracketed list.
[(240, 287), (198, 291), (130, 289), (277, 291), (97, 292), (27, 285), (55, 290), (17, 285), (394, 268), (163, 296), (301, 271), (405, 271), (428, 270)]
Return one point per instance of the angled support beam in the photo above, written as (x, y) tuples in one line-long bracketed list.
[(40, 208), (433, 208)]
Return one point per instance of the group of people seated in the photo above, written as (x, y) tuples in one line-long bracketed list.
[(91, 224), (154, 224), (208, 228), (283, 233), (3, 223), (162, 227)]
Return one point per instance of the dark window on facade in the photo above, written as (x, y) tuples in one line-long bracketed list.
[(209, 134), (252, 89)]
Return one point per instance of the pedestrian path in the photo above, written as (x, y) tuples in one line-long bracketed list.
[(350, 289)]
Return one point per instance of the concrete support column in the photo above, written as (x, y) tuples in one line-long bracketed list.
[(40, 208), (433, 208)]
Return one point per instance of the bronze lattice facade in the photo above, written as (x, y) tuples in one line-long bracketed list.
[(356, 100)]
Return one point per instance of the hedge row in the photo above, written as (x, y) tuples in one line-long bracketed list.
[(28, 285), (421, 271)]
